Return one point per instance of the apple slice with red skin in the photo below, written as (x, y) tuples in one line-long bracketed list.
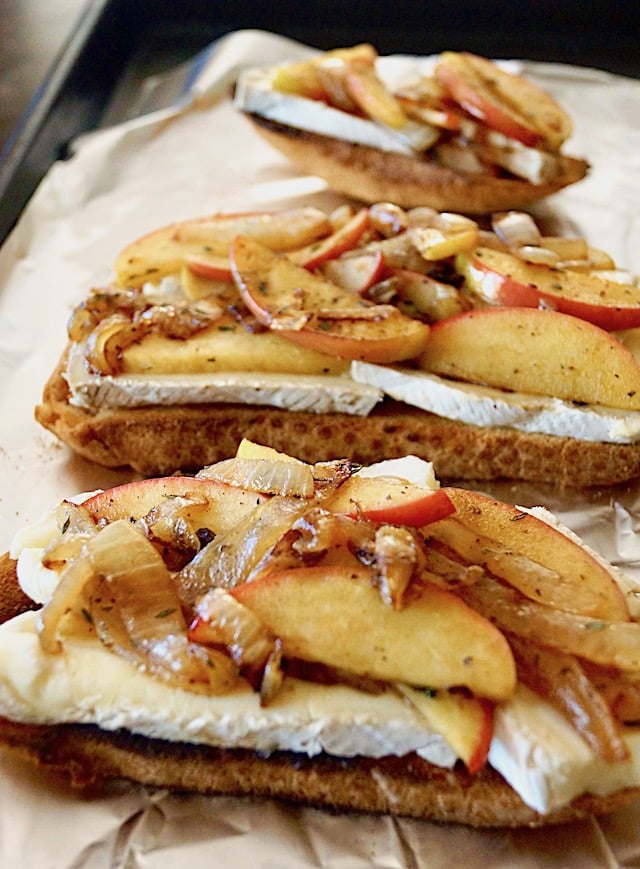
[(465, 722), (394, 501), (345, 238), (277, 230), (372, 96), (209, 265), (163, 251), (530, 554), (220, 507), (501, 278), (505, 102), (334, 615), (535, 352), (308, 309)]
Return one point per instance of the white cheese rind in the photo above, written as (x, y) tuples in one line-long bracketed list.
[(484, 406), (255, 95), (297, 392)]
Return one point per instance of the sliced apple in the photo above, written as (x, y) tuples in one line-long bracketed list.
[(163, 251), (465, 722), (374, 98), (217, 506), (209, 265), (305, 78), (531, 555), (501, 278), (344, 238), (434, 243), (279, 231), (389, 500), (149, 258), (309, 310), (536, 352), (226, 346), (334, 615), (200, 286), (302, 79), (248, 449), (505, 102)]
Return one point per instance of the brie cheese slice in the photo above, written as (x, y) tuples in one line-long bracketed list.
[(485, 406)]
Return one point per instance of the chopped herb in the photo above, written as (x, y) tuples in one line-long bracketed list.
[(87, 615), (595, 626), (164, 613), (430, 692), (65, 525)]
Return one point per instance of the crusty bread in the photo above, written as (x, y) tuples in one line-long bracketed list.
[(372, 175), (158, 440), (87, 756)]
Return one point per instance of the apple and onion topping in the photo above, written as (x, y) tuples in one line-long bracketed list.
[(215, 586), (310, 293), (467, 113)]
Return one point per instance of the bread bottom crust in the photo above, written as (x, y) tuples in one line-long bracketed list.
[(372, 175), (158, 440), (87, 757)]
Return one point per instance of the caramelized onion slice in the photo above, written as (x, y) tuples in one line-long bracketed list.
[(396, 559), (609, 643), (620, 690), (76, 527), (269, 476), (559, 678), (223, 620), (136, 612), (173, 525), (320, 531), (232, 558), (63, 602)]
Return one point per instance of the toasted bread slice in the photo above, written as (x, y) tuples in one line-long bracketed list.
[(159, 439), (86, 757), (372, 175)]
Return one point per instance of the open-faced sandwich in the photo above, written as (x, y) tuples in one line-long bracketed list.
[(353, 638), (366, 333), (466, 134)]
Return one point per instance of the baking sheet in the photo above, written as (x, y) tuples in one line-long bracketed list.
[(195, 157)]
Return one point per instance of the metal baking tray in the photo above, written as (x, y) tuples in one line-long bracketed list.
[(117, 45)]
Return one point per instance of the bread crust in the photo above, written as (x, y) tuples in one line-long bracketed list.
[(158, 440), (86, 757), (372, 175)]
